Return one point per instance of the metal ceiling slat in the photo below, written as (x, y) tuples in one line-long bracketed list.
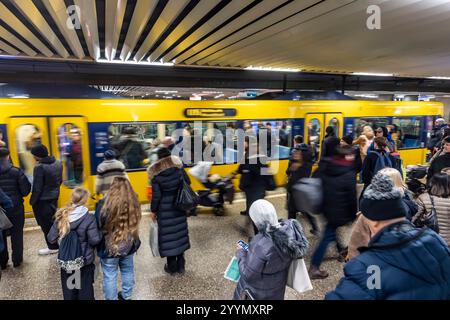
[(141, 14), (227, 12), (28, 9), (114, 15), (89, 25), (195, 15), (8, 36), (18, 26), (170, 12), (58, 12), (7, 48)]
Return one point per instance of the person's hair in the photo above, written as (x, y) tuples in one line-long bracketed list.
[(163, 153), (395, 176), (268, 124), (439, 185), (329, 130), (79, 197), (123, 213), (342, 151), (298, 138), (368, 132), (381, 142), (4, 152), (447, 140), (446, 132)]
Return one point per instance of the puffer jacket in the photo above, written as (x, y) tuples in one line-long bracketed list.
[(14, 183), (165, 176), (442, 206), (5, 201), (410, 264), (86, 227), (47, 178), (106, 172), (264, 267)]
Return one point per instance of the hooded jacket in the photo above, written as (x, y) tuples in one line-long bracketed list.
[(14, 184), (264, 267), (47, 178), (86, 227), (165, 176), (411, 263)]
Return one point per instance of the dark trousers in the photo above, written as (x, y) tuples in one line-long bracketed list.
[(292, 212), (44, 212), (17, 218), (329, 236), (176, 263), (80, 289), (250, 197)]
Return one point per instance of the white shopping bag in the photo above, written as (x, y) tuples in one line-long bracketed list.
[(298, 277), (200, 170), (154, 238)]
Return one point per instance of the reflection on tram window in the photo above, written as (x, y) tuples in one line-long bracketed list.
[(136, 144), (334, 123), (314, 137), (405, 131), (2, 143), (360, 123), (27, 136), (71, 154)]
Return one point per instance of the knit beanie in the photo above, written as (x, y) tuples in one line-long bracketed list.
[(109, 154), (39, 151), (382, 200)]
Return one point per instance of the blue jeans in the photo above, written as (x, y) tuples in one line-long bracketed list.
[(111, 267), (328, 237)]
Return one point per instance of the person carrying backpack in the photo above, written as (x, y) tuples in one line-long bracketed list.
[(376, 160), (77, 233)]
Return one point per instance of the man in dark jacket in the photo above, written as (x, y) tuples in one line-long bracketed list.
[(330, 143), (5, 204), (400, 262), (437, 134), (15, 185), (339, 202), (47, 178), (441, 162), (348, 141)]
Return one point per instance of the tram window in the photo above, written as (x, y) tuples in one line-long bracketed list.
[(71, 154), (334, 123), (406, 131), (2, 143), (136, 143), (27, 136), (314, 137), (374, 123)]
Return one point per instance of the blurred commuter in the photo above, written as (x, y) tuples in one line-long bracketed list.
[(376, 160), (300, 166), (47, 178), (107, 171), (118, 218), (360, 235), (437, 134), (400, 262), (383, 132), (440, 162), (438, 197), (298, 140), (76, 155), (330, 142), (130, 151), (5, 204), (364, 141), (75, 217), (348, 141), (16, 186), (168, 143), (339, 203), (284, 135), (264, 267), (166, 178), (439, 147)]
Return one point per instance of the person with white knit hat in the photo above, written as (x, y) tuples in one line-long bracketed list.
[(264, 267)]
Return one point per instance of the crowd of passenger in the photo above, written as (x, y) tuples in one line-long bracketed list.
[(404, 236)]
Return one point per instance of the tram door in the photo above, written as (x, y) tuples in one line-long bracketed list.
[(315, 125), (66, 139)]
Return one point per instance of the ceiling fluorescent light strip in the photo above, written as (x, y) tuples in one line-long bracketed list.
[(272, 69), (142, 63), (372, 74)]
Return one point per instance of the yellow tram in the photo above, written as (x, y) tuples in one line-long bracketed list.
[(95, 124)]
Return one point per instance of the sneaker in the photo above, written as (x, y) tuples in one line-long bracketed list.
[(47, 251), (17, 264), (315, 273)]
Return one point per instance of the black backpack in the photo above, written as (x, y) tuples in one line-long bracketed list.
[(70, 255)]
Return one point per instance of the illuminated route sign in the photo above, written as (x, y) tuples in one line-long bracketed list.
[(209, 112)]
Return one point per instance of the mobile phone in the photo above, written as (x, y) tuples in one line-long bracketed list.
[(243, 245)]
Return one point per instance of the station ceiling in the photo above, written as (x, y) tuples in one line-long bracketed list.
[(329, 36)]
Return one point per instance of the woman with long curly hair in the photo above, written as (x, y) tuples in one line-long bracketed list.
[(75, 217), (118, 217)]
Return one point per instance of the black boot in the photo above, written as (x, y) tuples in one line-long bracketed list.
[(181, 263)]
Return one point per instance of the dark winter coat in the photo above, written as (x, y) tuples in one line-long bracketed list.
[(47, 178), (329, 146), (368, 168), (88, 234), (339, 191), (252, 181), (15, 185), (165, 176), (264, 267), (414, 264), (5, 201), (441, 162)]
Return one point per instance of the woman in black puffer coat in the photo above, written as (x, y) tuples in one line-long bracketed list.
[(166, 176)]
